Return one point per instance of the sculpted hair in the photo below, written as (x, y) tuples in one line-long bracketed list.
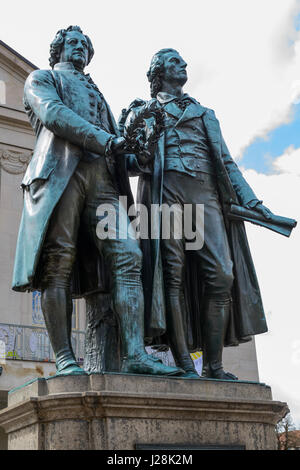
[(58, 42), (156, 71)]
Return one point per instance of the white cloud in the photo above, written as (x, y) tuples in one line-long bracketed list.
[(289, 162), (277, 261)]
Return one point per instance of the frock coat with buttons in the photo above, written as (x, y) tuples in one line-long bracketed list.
[(71, 120), (247, 316)]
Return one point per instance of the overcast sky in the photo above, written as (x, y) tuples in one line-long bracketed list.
[(244, 62)]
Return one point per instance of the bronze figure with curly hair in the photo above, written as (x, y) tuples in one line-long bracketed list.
[(156, 70), (58, 42)]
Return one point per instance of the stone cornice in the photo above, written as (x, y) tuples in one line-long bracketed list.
[(97, 405), (15, 62)]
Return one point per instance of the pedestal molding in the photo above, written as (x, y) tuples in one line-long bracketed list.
[(98, 405)]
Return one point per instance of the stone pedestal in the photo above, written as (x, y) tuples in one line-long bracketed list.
[(117, 412)]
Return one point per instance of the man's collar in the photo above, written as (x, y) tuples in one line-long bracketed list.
[(165, 98), (66, 66)]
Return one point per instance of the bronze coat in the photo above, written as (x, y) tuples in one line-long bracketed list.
[(247, 313), (64, 136)]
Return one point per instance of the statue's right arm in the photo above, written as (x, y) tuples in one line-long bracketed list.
[(42, 97)]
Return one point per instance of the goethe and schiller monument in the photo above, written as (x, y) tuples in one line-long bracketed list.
[(77, 237)]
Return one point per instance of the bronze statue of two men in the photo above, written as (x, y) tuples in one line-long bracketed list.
[(162, 293)]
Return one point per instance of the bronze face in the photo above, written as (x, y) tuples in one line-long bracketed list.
[(75, 50), (174, 68)]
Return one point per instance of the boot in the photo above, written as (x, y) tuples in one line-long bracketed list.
[(147, 364), (177, 334), (129, 306), (57, 310), (216, 316)]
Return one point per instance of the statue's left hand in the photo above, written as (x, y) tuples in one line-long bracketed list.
[(263, 210)]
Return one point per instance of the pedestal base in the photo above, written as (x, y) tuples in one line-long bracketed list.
[(116, 412)]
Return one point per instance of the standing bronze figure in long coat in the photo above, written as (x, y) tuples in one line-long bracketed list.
[(207, 298), (73, 170)]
